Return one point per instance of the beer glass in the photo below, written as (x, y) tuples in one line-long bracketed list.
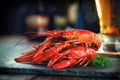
[(109, 20)]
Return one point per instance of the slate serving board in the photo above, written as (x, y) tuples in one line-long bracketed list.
[(10, 47)]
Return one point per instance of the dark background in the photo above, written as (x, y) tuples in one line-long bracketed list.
[(13, 14)]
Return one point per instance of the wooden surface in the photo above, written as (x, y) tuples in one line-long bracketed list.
[(112, 54)]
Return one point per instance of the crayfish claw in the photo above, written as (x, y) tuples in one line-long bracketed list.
[(23, 59), (64, 64), (26, 57)]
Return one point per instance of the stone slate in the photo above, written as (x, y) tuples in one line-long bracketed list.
[(9, 50)]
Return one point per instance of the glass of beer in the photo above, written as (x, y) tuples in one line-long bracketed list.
[(109, 19)]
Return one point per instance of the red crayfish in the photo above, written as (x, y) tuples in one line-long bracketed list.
[(64, 48)]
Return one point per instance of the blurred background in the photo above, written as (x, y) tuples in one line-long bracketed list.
[(20, 16)]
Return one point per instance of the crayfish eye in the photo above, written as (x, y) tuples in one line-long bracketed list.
[(93, 45)]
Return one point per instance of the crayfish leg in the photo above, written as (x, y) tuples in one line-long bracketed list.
[(88, 61), (85, 61)]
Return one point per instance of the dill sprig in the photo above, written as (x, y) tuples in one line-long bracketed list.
[(101, 61)]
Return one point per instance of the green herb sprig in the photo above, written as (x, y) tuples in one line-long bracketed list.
[(101, 61)]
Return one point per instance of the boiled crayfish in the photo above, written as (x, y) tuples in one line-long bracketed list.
[(64, 48)]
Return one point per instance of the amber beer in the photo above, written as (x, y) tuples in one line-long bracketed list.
[(107, 16)]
